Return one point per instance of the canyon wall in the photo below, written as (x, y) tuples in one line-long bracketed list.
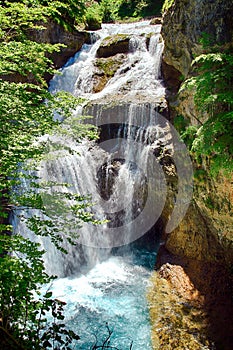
[(197, 256), (206, 232)]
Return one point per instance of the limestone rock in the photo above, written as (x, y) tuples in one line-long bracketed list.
[(113, 45), (206, 231), (55, 33), (190, 304), (203, 242), (185, 22), (177, 318), (105, 70)]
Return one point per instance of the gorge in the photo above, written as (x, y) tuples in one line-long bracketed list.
[(156, 273), (125, 182)]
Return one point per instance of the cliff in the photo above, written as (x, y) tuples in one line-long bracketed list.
[(208, 223), (200, 249), (54, 33), (185, 23)]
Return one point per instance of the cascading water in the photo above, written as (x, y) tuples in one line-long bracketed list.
[(113, 284)]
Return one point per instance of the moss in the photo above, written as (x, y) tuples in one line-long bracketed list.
[(114, 39), (106, 68), (109, 65)]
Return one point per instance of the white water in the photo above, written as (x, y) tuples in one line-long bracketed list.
[(138, 77), (105, 288), (113, 292)]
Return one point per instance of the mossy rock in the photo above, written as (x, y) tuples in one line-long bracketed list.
[(156, 20), (113, 45), (110, 65), (105, 70)]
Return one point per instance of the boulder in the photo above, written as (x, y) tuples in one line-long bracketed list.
[(113, 45), (105, 70)]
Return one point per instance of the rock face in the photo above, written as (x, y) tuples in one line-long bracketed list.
[(206, 231), (185, 23), (175, 304), (190, 304), (55, 33), (200, 250), (113, 45)]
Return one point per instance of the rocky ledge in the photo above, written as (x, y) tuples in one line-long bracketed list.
[(190, 304), (113, 45)]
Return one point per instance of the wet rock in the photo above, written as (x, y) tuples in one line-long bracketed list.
[(105, 70), (113, 45), (156, 20)]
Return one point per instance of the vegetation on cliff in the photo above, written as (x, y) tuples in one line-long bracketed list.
[(198, 68), (210, 139), (214, 101)]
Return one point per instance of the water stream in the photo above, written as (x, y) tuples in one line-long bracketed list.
[(101, 284), (112, 292)]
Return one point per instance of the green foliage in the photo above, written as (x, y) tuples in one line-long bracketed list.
[(188, 135), (109, 9), (24, 317), (18, 16), (180, 123), (139, 8), (66, 12), (214, 99), (93, 17), (166, 5), (27, 109), (206, 40), (115, 10)]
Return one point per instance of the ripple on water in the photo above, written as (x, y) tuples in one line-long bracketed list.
[(113, 292)]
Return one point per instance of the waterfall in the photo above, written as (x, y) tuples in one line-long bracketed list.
[(100, 281), (113, 171)]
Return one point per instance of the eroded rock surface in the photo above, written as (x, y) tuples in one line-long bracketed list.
[(176, 309), (105, 70), (55, 33), (191, 304), (196, 263), (113, 45), (185, 23)]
